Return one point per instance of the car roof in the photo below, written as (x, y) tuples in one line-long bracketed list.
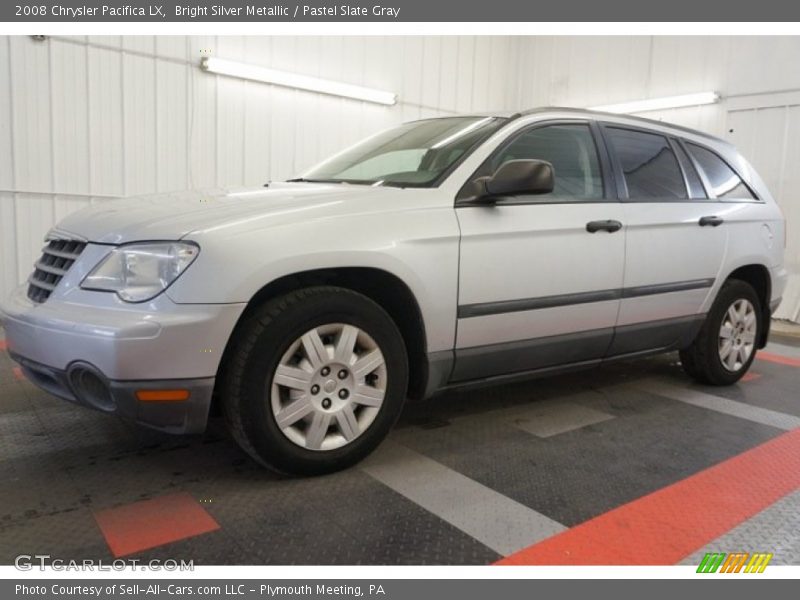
[(631, 119), (617, 118)]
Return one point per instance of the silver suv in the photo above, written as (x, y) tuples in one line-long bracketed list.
[(437, 254)]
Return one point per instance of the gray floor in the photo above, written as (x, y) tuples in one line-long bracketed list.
[(464, 479), (775, 530)]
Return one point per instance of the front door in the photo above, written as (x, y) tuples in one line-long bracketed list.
[(540, 276)]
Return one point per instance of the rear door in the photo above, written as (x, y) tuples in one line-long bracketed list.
[(675, 240), (536, 288)]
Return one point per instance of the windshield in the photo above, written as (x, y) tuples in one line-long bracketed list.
[(412, 155)]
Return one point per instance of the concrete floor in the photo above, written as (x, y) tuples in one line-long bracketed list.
[(524, 473)]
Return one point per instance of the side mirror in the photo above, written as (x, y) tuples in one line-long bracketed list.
[(521, 177)]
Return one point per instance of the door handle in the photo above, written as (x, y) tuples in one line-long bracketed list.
[(713, 220), (609, 225)]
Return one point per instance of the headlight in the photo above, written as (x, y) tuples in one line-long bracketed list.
[(139, 272)]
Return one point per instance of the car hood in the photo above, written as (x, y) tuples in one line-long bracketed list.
[(177, 215)]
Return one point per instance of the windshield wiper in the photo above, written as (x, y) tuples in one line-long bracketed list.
[(304, 180), (348, 181)]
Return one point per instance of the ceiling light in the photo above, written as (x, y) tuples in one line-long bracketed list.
[(294, 80), (667, 102)]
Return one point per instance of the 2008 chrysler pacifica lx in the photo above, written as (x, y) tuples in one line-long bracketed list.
[(439, 253)]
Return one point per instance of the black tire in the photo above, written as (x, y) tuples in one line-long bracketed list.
[(256, 351), (701, 360)]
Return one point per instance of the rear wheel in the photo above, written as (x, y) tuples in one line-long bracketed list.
[(315, 381), (726, 345)]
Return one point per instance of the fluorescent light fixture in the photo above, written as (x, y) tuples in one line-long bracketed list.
[(294, 80), (665, 103)]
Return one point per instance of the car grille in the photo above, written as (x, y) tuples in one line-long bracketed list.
[(57, 257)]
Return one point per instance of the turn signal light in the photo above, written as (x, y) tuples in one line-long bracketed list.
[(162, 395)]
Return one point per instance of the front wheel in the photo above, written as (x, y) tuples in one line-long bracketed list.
[(315, 381), (726, 345)]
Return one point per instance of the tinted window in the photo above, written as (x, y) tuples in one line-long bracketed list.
[(648, 163), (725, 183), (696, 188), (571, 151)]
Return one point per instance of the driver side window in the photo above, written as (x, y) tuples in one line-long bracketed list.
[(572, 152)]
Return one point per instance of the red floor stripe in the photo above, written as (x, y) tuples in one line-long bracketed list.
[(750, 377), (146, 524), (3, 345), (666, 526), (18, 374), (778, 358)]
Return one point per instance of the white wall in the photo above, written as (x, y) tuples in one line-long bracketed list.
[(758, 78), (87, 119)]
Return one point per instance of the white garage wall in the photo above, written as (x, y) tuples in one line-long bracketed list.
[(758, 78), (84, 119)]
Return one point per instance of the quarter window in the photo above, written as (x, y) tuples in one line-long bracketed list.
[(648, 164), (724, 181), (696, 188), (571, 151)]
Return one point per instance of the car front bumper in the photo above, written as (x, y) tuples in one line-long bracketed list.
[(101, 356)]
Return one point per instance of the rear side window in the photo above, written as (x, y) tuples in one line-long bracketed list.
[(571, 151), (724, 181), (648, 164)]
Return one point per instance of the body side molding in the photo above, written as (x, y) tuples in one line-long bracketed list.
[(466, 311)]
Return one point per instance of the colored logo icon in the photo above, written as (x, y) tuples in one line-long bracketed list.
[(736, 562)]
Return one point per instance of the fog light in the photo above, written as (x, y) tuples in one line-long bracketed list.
[(162, 395), (90, 388)]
